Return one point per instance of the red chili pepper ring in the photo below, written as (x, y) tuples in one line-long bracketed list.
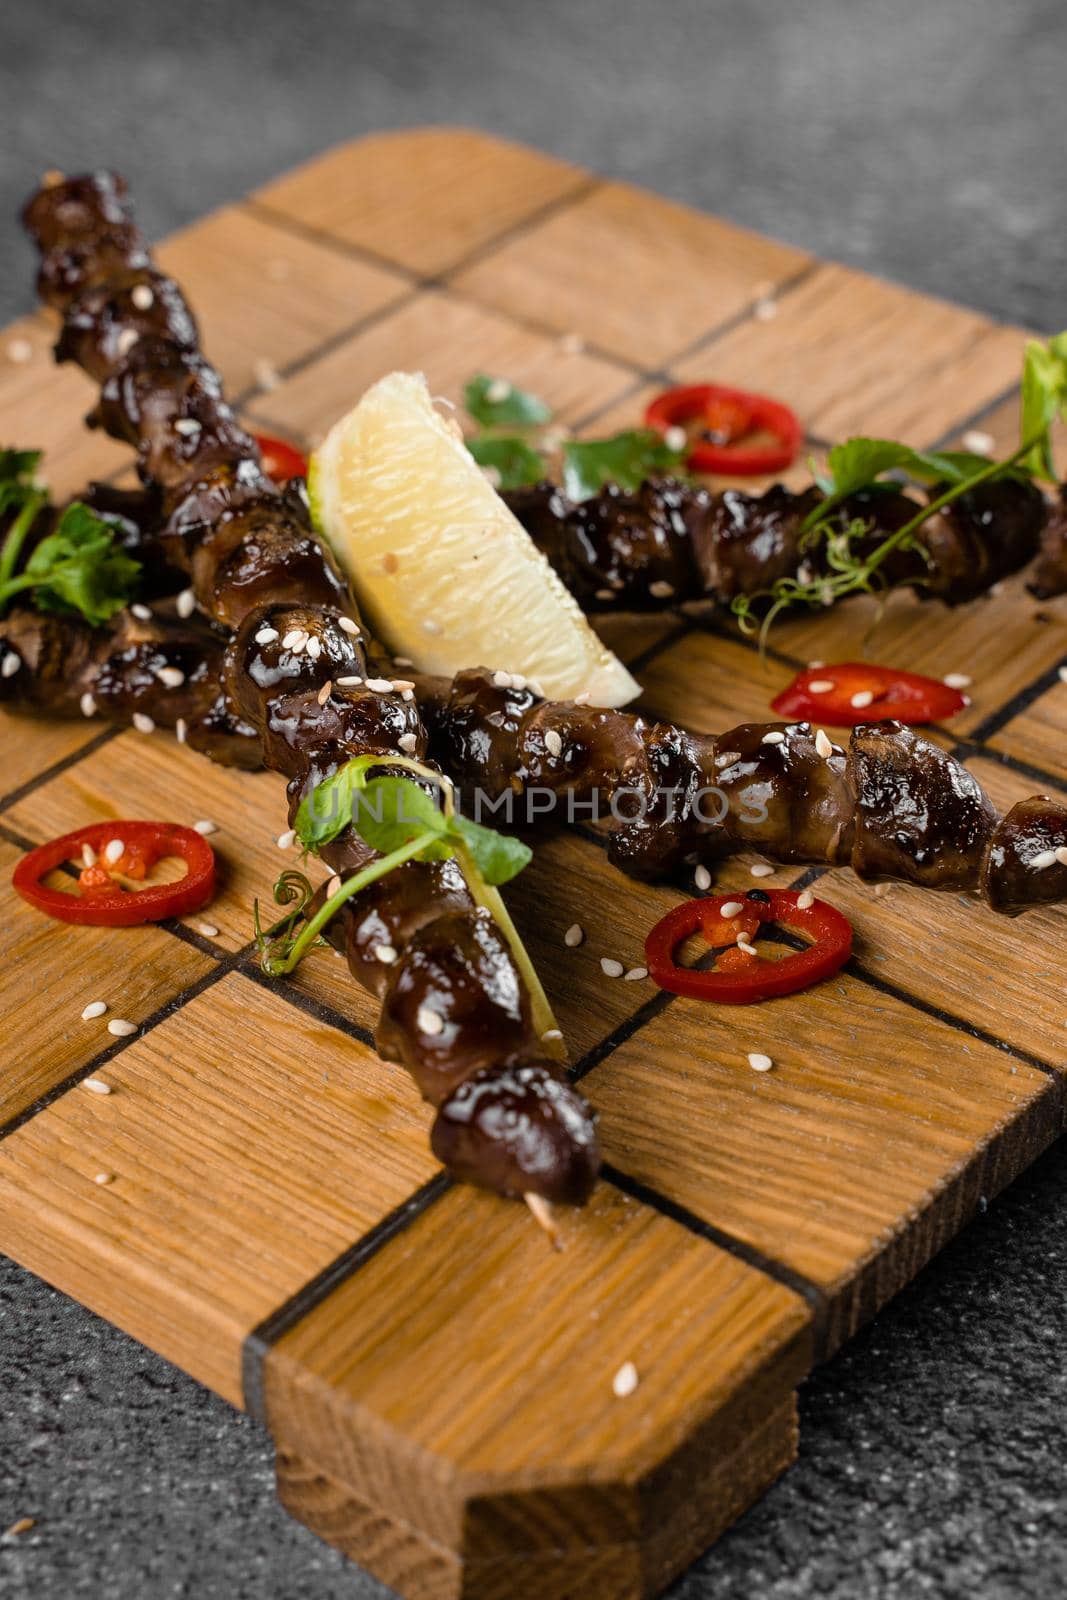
[(719, 420), (746, 979), (99, 899)]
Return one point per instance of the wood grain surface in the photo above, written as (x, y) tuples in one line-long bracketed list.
[(439, 1381)]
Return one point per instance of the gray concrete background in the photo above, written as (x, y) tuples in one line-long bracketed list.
[(922, 138)]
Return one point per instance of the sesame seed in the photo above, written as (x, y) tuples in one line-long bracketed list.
[(88, 705), (266, 374), (114, 850), (635, 974), (96, 1085), (1061, 673), (349, 682), (185, 604), (19, 351), (759, 1062), (571, 344), (94, 1009), (550, 1034), (380, 685), (805, 899), (181, 729), (553, 743), (1043, 859), (142, 613), (765, 310), (143, 722), (121, 1028), (1061, 854), (745, 943), (88, 856), (408, 742), (727, 758), (958, 680), (142, 296), (605, 594), (574, 936), (861, 699), (266, 636), (407, 694), (314, 648), (824, 744), (385, 953), (188, 427), (403, 661), (497, 391), (325, 692), (430, 626), (429, 1021), (761, 870), (291, 637), (661, 589), (207, 929), (348, 626), (625, 1380), (126, 341), (502, 680), (731, 908), (205, 826), (978, 442), (171, 677), (813, 666), (285, 840), (10, 665), (776, 736), (702, 878), (676, 438), (611, 968), (820, 685), (104, 1178), (403, 683), (334, 886), (492, 476)]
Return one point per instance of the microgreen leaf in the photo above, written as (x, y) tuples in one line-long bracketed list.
[(856, 464), (389, 812), (498, 857), (513, 460), (625, 458), (1043, 398), (496, 403)]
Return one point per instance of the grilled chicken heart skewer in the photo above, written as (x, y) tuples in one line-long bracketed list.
[(670, 541), (455, 1010), (895, 806)]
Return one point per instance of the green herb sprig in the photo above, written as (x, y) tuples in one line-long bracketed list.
[(80, 567), (861, 464), (516, 443), (398, 818)]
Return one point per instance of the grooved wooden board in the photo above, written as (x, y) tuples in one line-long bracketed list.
[(440, 1384)]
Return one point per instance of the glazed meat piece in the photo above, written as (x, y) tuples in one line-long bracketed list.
[(1050, 570)]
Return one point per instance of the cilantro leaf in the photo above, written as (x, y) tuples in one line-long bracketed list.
[(511, 457), (856, 464), (626, 459), (79, 567), (498, 857), (18, 467), (496, 403)]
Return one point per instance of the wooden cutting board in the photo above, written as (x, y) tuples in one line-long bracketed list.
[(439, 1383)]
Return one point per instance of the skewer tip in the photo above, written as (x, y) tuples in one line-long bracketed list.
[(542, 1215)]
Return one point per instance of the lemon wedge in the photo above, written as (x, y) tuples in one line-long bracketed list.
[(442, 570)]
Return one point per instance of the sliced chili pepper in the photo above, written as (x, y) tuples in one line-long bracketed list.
[(855, 691), (745, 981), (281, 461), (719, 420), (99, 900)]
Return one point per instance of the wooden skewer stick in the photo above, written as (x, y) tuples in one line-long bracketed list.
[(542, 1214)]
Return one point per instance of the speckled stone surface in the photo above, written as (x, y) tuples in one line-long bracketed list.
[(921, 138)]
